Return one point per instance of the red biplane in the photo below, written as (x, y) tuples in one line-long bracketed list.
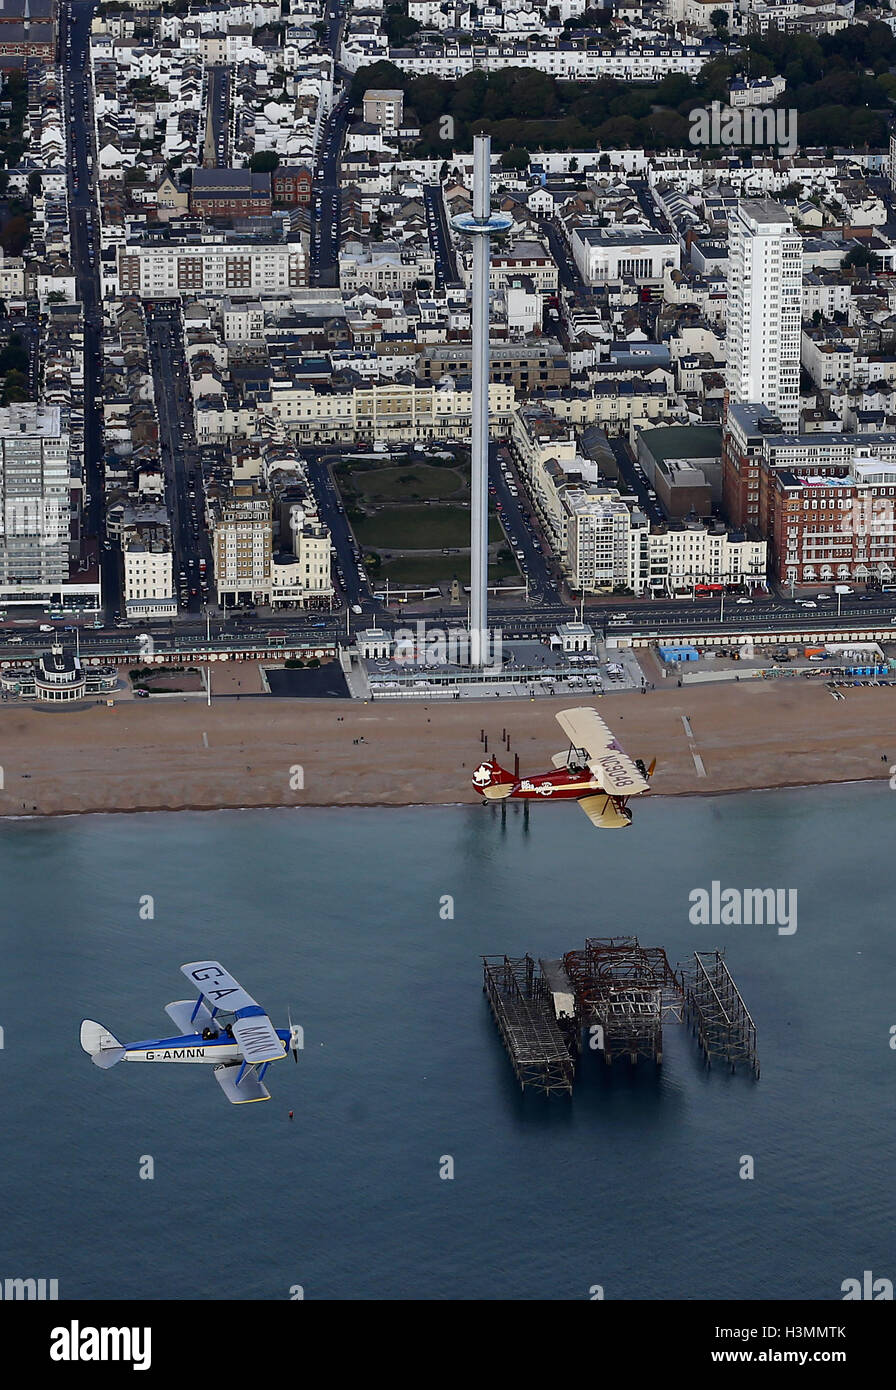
[(594, 771)]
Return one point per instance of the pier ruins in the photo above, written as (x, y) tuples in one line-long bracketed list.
[(613, 996)]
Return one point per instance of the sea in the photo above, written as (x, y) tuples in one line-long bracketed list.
[(411, 1166)]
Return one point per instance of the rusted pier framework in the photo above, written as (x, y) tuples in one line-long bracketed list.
[(620, 993), (625, 990), (522, 1005), (720, 1017)]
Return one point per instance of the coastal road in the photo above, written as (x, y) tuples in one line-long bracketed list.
[(656, 620)]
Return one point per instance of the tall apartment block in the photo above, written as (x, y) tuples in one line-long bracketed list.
[(34, 493), (765, 286)]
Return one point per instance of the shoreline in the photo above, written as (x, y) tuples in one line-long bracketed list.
[(199, 809), (184, 756)]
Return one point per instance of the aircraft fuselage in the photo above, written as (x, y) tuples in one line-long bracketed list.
[(192, 1047)]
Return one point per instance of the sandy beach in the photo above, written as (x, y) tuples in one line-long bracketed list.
[(179, 754)]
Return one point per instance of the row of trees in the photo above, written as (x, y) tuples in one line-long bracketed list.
[(840, 84)]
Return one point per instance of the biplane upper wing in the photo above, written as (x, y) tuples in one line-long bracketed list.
[(216, 986), (612, 768), (252, 1029), (257, 1037)]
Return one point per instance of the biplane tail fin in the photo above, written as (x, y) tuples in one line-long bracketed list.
[(493, 781), (103, 1047)]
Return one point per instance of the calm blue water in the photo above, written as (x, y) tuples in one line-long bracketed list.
[(335, 914)]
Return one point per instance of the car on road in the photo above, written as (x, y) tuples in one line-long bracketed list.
[(806, 603), (47, 627), (745, 600), (21, 639)]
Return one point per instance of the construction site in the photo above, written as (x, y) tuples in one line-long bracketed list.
[(614, 996)]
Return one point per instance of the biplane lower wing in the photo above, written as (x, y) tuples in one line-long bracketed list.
[(611, 767), (240, 1084), (603, 812)]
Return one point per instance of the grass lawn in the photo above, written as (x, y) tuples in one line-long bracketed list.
[(420, 528), (434, 569), (403, 483)]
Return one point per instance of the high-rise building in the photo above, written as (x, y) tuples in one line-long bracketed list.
[(35, 495), (765, 286)]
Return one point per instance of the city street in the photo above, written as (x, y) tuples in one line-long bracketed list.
[(85, 257), (180, 458)]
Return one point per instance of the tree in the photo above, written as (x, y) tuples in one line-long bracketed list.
[(35, 183), (398, 26), (718, 19), (860, 257), (15, 388), (515, 158), (15, 235), (264, 162), (13, 359)]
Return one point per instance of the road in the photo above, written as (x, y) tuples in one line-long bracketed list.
[(567, 270), (326, 210), (85, 254), (440, 237), (674, 619), (634, 481), (346, 575), (520, 527), (179, 454), (219, 111)]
